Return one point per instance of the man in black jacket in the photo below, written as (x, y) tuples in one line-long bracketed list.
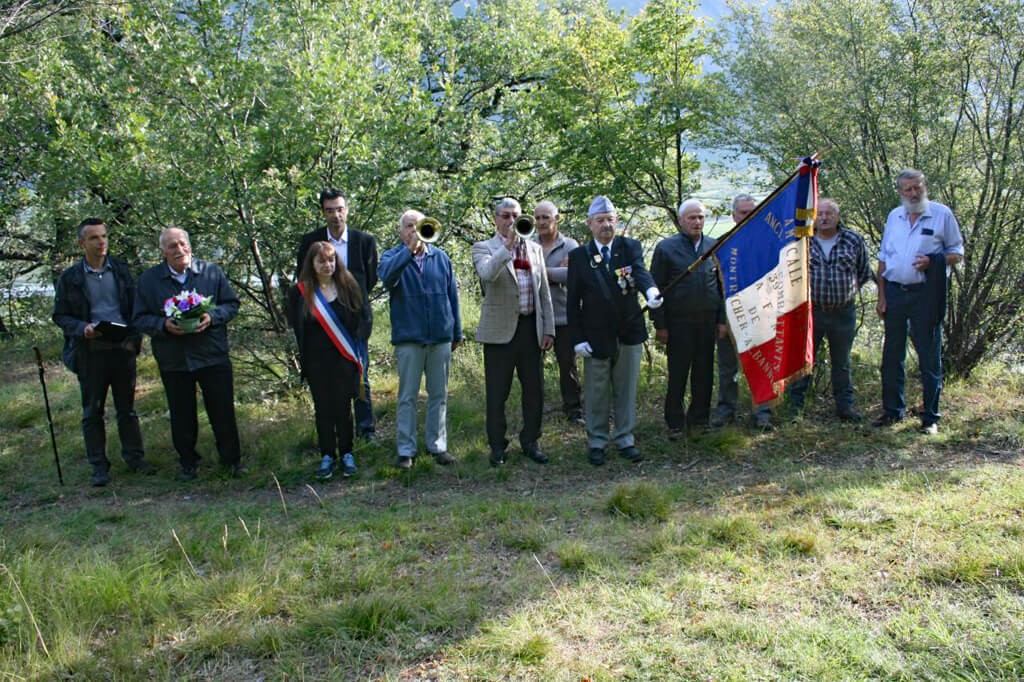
[(358, 251), (605, 276), (186, 358), (96, 294), (691, 319)]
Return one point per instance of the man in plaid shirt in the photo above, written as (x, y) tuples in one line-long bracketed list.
[(839, 268)]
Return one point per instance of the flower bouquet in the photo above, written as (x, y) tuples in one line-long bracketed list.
[(187, 309)]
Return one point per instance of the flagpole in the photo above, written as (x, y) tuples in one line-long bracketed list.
[(725, 237)]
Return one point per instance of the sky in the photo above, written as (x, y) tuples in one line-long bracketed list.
[(712, 9)]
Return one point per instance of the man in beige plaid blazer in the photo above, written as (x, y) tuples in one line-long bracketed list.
[(517, 324)]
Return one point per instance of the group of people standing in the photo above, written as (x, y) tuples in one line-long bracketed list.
[(541, 293)]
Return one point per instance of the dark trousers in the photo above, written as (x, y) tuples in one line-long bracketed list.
[(905, 310), (691, 356), (218, 387), (568, 374), (838, 326), (98, 371), (522, 356), (333, 383)]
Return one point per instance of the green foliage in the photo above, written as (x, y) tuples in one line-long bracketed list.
[(575, 556), (641, 500), (227, 119), (881, 85)]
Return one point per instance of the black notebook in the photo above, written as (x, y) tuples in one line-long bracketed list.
[(112, 331)]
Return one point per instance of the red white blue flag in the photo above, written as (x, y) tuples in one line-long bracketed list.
[(764, 270)]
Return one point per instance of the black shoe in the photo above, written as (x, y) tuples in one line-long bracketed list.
[(596, 456), (141, 466), (187, 473), (720, 420), (404, 462), (533, 452), (576, 417), (676, 434), (100, 476), (848, 414), (887, 420), (444, 458), (763, 422), (631, 453), (235, 470), (497, 458)]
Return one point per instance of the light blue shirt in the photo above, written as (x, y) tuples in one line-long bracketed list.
[(936, 231), (340, 245)]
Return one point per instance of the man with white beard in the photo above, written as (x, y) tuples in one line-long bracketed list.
[(921, 241)]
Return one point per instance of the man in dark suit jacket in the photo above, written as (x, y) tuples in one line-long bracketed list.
[(358, 251), (605, 277), (97, 289), (693, 317)]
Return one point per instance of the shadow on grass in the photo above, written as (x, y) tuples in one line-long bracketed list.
[(372, 576)]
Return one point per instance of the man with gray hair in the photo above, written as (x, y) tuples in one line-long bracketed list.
[(189, 357), (920, 243), (728, 364), (839, 268), (605, 278), (556, 256), (425, 329), (517, 323), (691, 319)]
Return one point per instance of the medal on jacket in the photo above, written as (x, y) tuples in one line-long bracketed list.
[(624, 278)]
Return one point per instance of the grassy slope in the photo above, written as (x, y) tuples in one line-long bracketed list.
[(818, 551)]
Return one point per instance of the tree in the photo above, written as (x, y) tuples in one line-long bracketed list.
[(884, 85)]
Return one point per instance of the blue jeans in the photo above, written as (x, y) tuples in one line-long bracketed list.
[(903, 312), (839, 326), (414, 362)]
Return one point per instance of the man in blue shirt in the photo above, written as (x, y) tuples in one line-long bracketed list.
[(425, 329), (921, 241)]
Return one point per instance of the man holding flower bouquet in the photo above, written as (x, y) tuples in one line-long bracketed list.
[(184, 304)]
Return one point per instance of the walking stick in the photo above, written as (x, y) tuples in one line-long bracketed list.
[(49, 417)]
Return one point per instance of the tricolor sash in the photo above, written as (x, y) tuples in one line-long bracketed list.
[(351, 348)]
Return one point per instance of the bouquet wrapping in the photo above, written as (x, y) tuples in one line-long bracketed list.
[(187, 308)]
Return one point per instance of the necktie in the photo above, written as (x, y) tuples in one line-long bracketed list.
[(606, 256)]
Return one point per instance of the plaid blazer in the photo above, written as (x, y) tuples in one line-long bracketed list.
[(499, 311)]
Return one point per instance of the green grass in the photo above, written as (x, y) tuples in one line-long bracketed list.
[(821, 550)]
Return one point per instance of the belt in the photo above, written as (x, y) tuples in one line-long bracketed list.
[(907, 287), (821, 307)]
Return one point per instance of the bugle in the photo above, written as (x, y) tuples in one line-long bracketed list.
[(525, 225), (428, 230)]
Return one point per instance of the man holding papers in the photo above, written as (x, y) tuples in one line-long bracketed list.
[(93, 306)]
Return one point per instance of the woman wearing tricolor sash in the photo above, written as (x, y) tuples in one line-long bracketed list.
[(331, 319)]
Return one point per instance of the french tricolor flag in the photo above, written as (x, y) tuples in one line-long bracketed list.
[(764, 268)]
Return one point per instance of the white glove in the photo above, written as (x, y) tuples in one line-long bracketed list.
[(583, 350), (654, 299)]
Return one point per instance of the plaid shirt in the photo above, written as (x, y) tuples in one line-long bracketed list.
[(835, 279), (524, 277)]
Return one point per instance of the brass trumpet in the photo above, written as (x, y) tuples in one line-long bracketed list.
[(428, 230), (525, 226)]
